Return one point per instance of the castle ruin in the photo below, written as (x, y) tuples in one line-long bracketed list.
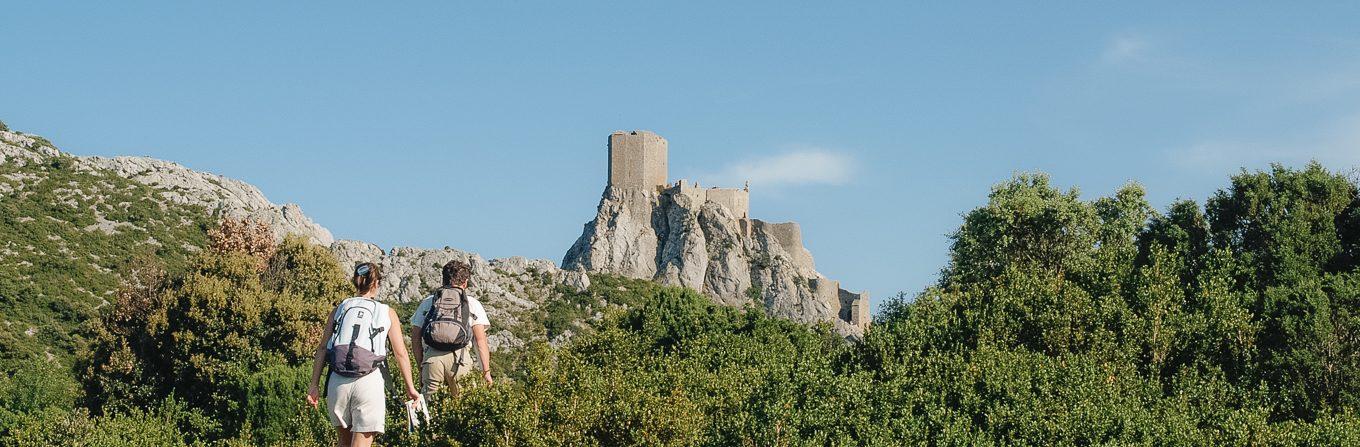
[(638, 163)]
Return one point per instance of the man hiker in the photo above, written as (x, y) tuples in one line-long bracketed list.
[(444, 327)]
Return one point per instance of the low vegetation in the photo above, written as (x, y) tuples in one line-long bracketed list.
[(65, 234), (1057, 321)]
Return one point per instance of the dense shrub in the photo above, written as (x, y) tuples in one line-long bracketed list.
[(233, 337), (1057, 321)]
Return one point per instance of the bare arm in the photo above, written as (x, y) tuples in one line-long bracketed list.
[(398, 345), (418, 344), (318, 360), (483, 353)]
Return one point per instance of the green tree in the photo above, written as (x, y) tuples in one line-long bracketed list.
[(223, 337)]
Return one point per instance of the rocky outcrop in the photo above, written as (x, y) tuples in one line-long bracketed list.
[(678, 239), (220, 195), (20, 150)]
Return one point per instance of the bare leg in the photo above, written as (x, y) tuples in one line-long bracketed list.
[(342, 437), (362, 439)]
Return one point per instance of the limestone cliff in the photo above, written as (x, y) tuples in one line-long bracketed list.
[(681, 238), (220, 195)]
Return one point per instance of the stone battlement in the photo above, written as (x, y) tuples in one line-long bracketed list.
[(737, 201)]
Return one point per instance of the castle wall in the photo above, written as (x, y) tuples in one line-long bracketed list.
[(696, 194), (737, 201), (637, 159), (826, 291), (855, 308), (788, 234)]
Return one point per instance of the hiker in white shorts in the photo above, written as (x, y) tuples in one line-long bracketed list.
[(444, 328), (354, 347)]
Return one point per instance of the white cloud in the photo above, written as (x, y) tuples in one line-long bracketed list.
[(803, 166), (1124, 49)]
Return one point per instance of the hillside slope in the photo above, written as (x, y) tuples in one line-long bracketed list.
[(70, 224), (67, 227)]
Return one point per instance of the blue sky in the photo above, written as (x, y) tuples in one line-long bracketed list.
[(875, 125)]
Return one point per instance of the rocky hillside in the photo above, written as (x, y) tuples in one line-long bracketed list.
[(68, 226), (70, 223), (679, 239)]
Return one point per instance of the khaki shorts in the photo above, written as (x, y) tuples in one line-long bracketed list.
[(443, 368), (357, 403)]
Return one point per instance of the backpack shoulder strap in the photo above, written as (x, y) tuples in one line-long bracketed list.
[(429, 311), (462, 295)]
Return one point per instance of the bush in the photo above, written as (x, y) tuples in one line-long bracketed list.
[(232, 336), (1058, 321)]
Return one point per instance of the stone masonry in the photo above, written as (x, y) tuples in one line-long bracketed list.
[(637, 159)]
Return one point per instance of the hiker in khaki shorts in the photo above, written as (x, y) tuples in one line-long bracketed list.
[(453, 320)]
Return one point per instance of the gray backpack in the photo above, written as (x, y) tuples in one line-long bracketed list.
[(359, 344), (446, 323)]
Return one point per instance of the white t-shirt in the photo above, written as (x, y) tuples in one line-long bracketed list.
[(476, 313)]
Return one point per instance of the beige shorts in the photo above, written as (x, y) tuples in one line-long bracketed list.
[(358, 404), (443, 368)]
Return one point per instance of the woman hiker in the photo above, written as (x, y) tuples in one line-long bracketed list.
[(355, 347)]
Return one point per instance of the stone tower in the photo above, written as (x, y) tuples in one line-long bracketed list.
[(637, 160)]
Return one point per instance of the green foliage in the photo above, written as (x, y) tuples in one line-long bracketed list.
[(273, 409), (675, 369), (167, 423), (65, 234), (228, 337), (1057, 321)]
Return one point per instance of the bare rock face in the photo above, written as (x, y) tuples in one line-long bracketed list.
[(21, 150), (177, 184), (677, 239), (622, 239), (229, 197)]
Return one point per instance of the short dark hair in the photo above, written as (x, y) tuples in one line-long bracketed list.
[(456, 272)]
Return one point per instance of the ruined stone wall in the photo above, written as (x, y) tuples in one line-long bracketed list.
[(637, 159), (683, 188), (790, 238), (826, 291), (789, 234), (738, 201), (855, 308)]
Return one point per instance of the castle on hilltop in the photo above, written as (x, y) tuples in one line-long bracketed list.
[(637, 159), (638, 162)]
